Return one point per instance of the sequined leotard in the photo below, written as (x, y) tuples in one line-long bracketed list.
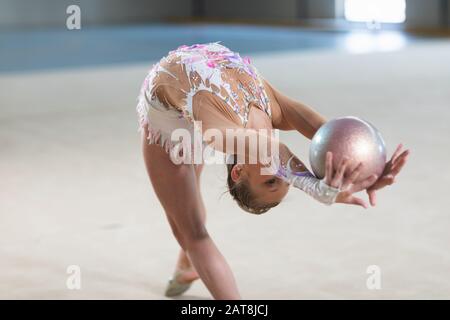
[(176, 78)]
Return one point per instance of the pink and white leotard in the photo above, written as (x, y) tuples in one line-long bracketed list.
[(168, 92)]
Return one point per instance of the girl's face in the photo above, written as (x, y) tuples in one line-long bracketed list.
[(266, 188)]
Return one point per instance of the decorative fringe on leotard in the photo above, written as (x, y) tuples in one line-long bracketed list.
[(155, 136)]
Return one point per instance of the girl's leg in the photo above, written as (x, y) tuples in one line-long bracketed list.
[(184, 269), (176, 188)]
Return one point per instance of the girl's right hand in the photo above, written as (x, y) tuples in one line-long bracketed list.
[(345, 182)]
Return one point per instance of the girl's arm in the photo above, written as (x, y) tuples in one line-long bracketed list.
[(293, 115), (224, 132), (334, 187)]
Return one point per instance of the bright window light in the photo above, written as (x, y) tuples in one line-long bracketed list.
[(365, 42), (383, 11)]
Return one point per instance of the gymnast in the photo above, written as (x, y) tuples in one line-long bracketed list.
[(212, 85)]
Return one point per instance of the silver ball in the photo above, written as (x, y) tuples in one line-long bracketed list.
[(348, 137)]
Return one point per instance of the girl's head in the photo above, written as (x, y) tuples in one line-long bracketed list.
[(254, 192)]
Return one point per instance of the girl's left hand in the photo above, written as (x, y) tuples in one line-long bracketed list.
[(391, 170), (346, 183)]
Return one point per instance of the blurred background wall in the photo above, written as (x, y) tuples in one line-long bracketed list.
[(51, 13), (429, 14)]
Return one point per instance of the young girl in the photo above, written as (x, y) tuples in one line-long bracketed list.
[(217, 87)]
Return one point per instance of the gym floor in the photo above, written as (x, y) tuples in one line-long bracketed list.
[(74, 191)]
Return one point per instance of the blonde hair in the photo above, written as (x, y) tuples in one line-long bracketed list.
[(242, 194)]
